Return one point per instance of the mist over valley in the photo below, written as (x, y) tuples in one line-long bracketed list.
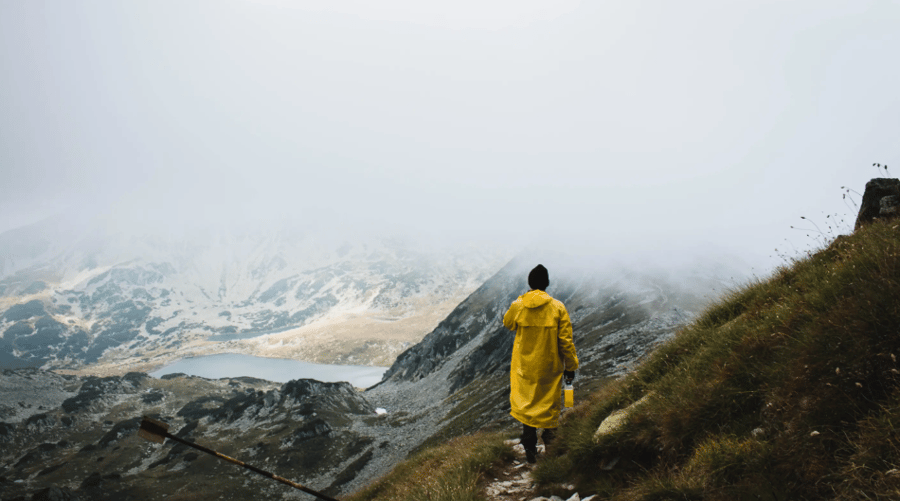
[(334, 191)]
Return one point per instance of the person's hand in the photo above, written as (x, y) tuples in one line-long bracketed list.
[(569, 376)]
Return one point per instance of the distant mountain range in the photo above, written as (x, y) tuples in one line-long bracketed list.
[(78, 434), (75, 294)]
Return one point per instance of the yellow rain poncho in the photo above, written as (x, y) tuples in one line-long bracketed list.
[(542, 351)]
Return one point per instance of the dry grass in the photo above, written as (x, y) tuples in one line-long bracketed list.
[(449, 472), (787, 389)]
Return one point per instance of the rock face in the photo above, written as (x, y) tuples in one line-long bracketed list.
[(880, 200), (79, 439), (616, 316)]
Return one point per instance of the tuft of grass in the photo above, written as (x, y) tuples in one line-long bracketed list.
[(447, 472), (726, 460), (788, 388)]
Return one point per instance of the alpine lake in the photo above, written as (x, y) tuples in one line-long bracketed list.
[(279, 370)]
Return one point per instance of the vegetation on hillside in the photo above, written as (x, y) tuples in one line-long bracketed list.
[(448, 472), (786, 389)]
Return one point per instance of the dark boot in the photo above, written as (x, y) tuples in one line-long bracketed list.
[(529, 442)]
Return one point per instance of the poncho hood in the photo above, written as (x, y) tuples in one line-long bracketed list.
[(535, 298)]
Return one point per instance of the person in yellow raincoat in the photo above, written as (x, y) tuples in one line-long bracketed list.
[(542, 353)]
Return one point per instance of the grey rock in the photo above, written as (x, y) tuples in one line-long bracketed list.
[(889, 205), (55, 494), (871, 206)]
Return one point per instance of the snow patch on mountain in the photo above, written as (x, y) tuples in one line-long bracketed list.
[(116, 299)]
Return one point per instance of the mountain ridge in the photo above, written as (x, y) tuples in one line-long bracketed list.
[(451, 383), (128, 304)]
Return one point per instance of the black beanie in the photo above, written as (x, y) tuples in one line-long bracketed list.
[(538, 278)]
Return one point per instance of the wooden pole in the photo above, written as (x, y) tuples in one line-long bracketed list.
[(157, 431)]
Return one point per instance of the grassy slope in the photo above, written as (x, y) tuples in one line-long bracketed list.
[(447, 472), (786, 389)]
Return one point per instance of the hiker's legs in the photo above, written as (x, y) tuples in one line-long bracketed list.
[(547, 436), (529, 442), (529, 438)]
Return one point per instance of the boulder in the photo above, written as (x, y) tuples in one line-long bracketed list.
[(617, 419), (54, 494), (880, 200)]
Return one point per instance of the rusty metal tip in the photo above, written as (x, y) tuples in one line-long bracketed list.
[(153, 430)]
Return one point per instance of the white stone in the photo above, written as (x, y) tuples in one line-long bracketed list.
[(610, 465), (617, 418)]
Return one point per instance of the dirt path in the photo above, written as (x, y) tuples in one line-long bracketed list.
[(514, 483)]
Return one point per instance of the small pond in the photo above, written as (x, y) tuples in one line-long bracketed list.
[(279, 370)]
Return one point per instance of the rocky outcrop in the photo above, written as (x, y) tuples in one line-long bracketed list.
[(476, 317), (617, 418), (880, 200), (55, 494), (82, 432)]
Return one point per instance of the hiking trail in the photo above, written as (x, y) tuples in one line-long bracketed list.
[(513, 481)]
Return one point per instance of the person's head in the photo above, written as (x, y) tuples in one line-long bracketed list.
[(538, 278)]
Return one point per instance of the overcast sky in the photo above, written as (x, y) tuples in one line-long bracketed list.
[(626, 122)]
